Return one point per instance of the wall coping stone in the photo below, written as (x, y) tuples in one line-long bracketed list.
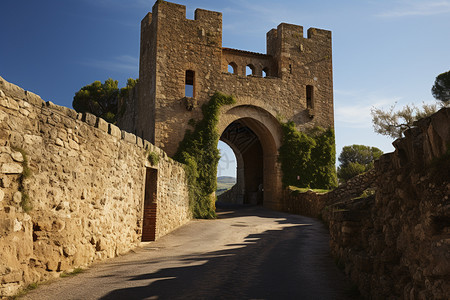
[(15, 92)]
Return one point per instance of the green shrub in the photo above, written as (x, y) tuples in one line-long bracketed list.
[(307, 160), (153, 158), (198, 152), (355, 160)]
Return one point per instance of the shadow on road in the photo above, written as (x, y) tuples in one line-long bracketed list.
[(292, 263)]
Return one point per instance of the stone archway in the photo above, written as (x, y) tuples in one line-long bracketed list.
[(255, 136)]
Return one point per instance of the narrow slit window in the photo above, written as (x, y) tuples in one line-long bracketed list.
[(189, 84), (309, 96)]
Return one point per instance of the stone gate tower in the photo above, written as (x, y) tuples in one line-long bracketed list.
[(182, 63)]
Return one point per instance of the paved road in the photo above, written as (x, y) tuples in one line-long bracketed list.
[(247, 253)]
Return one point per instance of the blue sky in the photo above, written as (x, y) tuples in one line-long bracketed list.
[(384, 51)]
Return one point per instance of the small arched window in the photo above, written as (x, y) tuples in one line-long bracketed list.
[(232, 68), (189, 84), (249, 70), (265, 72)]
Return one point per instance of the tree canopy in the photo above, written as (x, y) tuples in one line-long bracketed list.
[(441, 87), (356, 159), (102, 99), (393, 122)]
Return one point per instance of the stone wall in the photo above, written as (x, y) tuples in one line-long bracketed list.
[(396, 243), (83, 199), (390, 227), (317, 205)]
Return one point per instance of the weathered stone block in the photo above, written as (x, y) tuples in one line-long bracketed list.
[(34, 99), (5, 158), (59, 142), (13, 276), (17, 198), (12, 104), (17, 225), (147, 145), (139, 142), (17, 156), (102, 125), (89, 119), (128, 137), (12, 168), (32, 139), (114, 131), (74, 145)]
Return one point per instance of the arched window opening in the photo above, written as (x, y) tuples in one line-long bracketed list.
[(309, 96), (265, 72), (189, 84), (227, 164), (232, 68), (249, 70)]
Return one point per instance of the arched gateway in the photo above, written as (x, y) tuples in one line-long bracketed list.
[(183, 63), (254, 135)]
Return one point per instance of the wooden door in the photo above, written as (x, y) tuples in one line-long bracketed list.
[(150, 205)]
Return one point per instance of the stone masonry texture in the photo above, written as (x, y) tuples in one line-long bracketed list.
[(394, 243), (173, 46), (86, 188)]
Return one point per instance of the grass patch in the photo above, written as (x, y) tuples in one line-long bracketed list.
[(73, 273), (304, 190), (365, 194), (23, 292), (153, 158), (224, 183)]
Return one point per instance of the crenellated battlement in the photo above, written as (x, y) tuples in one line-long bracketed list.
[(177, 12), (180, 55)]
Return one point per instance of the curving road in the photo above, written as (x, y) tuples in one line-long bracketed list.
[(247, 253)]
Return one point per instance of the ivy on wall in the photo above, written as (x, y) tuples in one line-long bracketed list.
[(308, 160), (198, 152)]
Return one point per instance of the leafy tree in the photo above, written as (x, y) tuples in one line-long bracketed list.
[(393, 123), (356, 159), (441, 87), (131, 83), (101, 99)]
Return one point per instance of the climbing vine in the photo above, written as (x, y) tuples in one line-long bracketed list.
[(308, 160), (198, 152)]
